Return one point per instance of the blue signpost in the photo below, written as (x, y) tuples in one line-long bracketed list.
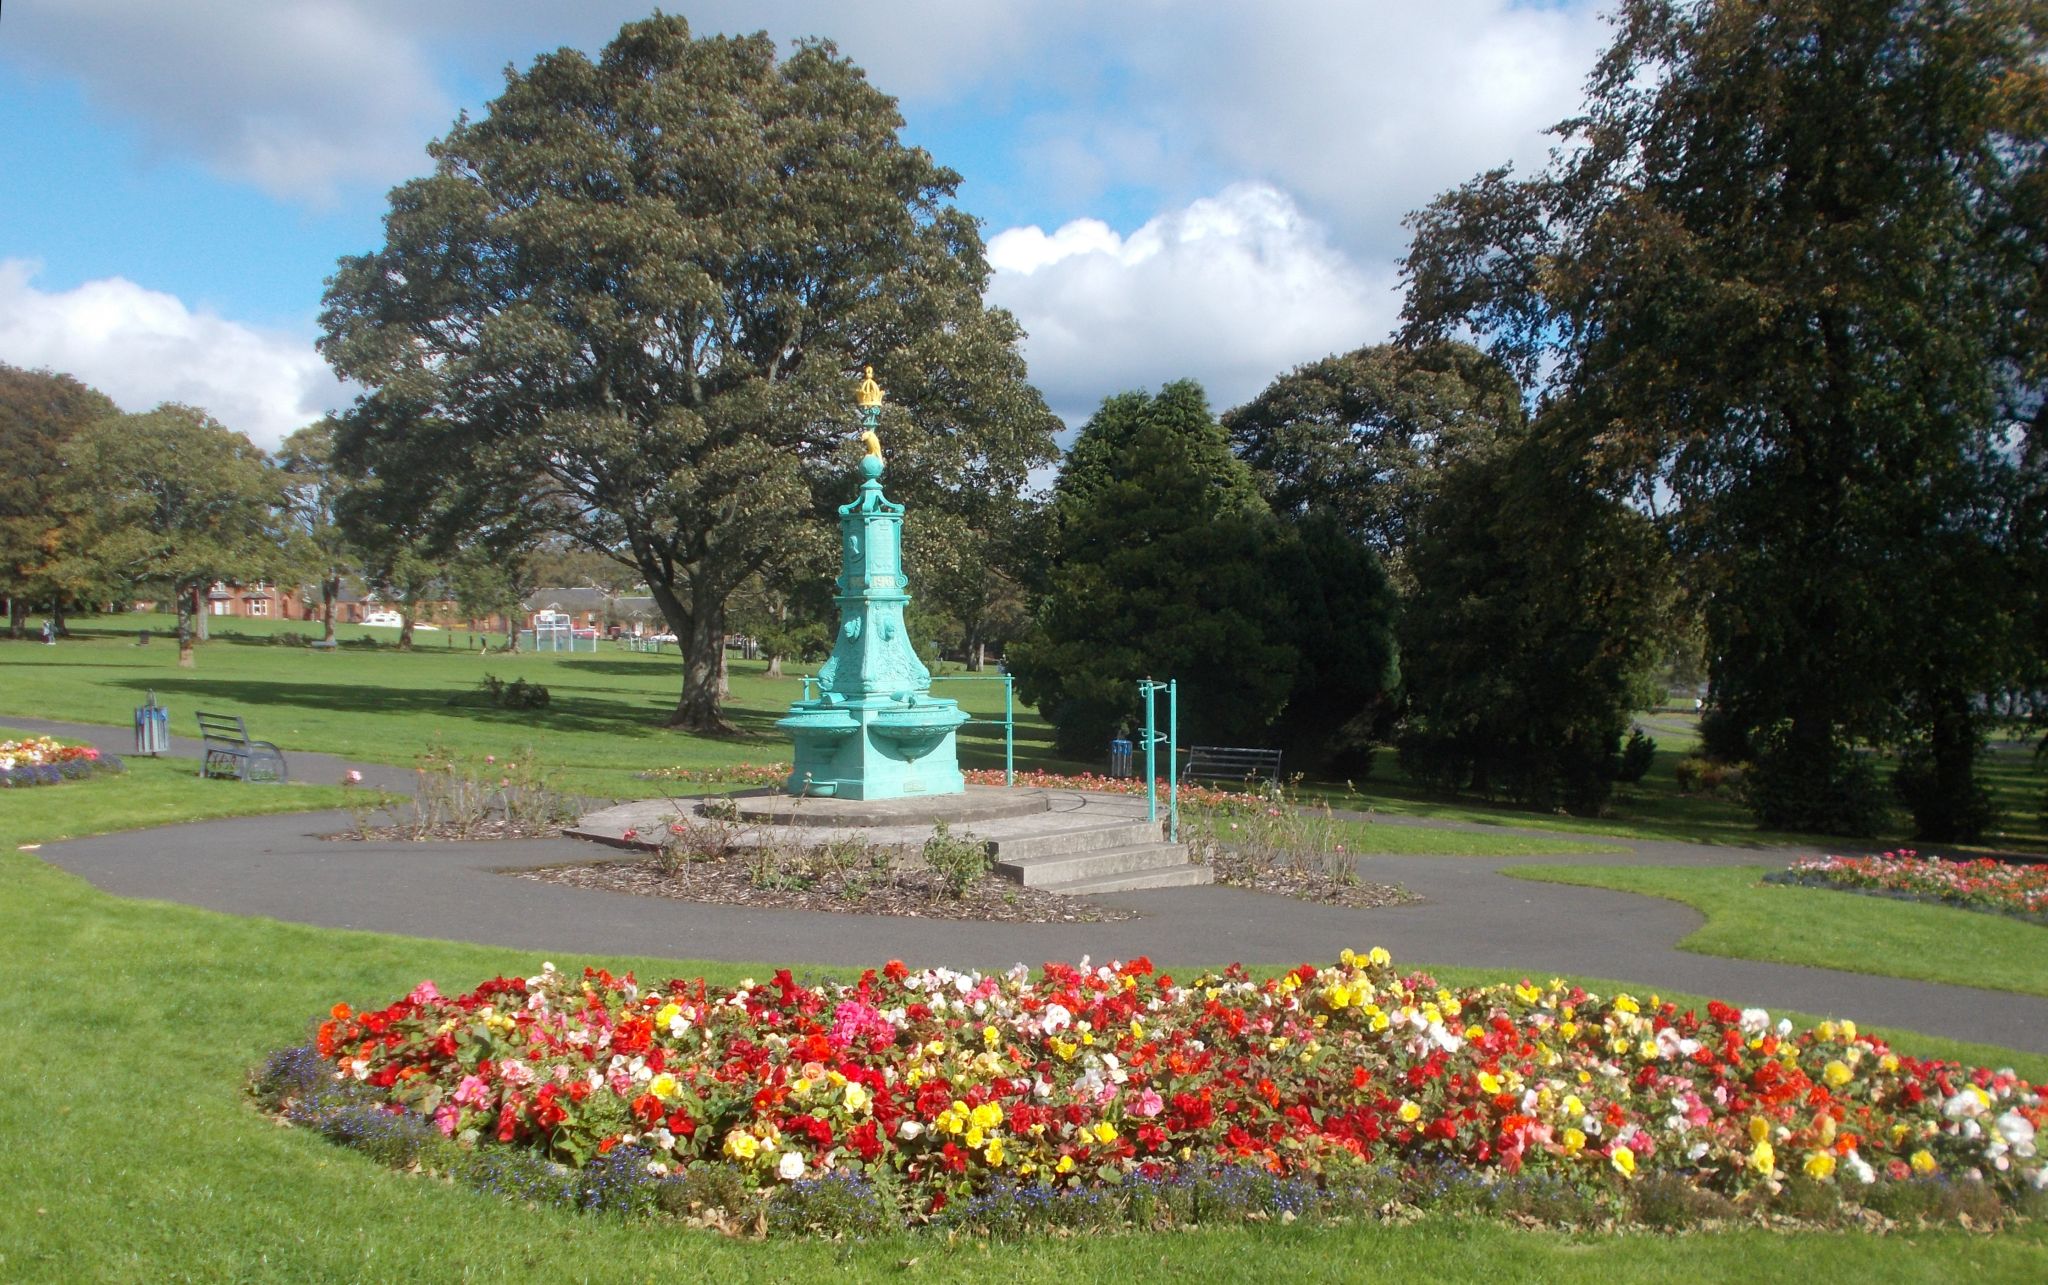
[(1148, 691)]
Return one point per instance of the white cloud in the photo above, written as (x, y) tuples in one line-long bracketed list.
[(1232, 290), (142, 347)]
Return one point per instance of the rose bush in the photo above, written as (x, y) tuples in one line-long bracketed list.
[(949, 1085)]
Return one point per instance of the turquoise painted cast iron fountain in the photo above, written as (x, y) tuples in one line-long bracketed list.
[(874, 731)]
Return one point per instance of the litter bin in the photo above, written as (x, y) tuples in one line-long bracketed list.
[(1120, 757), (152, 727)]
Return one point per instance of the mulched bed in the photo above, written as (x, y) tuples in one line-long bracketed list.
[(910, 894), (1306, 884)]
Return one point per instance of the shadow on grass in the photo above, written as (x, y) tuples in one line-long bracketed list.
[(573, 714)]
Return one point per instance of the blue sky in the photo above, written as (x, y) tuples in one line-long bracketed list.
[(1168, 189)]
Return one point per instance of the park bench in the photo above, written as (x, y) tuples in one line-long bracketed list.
[(229, 751), (1231, 763)]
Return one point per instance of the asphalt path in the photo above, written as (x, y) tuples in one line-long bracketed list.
[(1469, 914)]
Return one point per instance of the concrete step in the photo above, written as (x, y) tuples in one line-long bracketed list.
[(1062, 840), (1186, 875), (1068, 866)]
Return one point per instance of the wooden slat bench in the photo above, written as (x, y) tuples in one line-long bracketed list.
[(230, 752), (1230, 763)]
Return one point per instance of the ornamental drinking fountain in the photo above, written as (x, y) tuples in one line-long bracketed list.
[(874, 731)]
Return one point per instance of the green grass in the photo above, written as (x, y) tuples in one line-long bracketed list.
[(128, 1026), (602, 725), (1365, 838), (1655, 808), (150, 792), (1749, 919)]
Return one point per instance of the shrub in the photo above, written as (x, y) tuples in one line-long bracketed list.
[(957, 862), (517, 694), (1829, 790), (1636, 757)]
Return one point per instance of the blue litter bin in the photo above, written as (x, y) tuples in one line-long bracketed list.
[(1120, 757), (152, 727)]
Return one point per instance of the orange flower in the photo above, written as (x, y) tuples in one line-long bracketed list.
[(339, 1012)]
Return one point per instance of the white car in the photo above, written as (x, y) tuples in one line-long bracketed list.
[(392, 620)]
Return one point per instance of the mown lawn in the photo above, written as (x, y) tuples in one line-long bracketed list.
[(1749, 919), (132, 1154), (128, 1027), (152, 791)]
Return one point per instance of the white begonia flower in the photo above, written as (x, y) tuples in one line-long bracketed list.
[(1784, 1028), (2017, 1132), (909, 1130), (1755, 1021), (791, 1166), (1967, 1103), (1055, 1018)]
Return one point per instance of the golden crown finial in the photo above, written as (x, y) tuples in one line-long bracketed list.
[(870, 395)]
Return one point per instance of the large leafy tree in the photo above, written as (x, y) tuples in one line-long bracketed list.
[(175, 499), (39, 551), (1786, 277), (1358, 437), (1158, 570), (1534, 629), (315, 490), (636, 291)]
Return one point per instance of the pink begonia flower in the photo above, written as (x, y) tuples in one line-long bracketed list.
[(1150, 1104), (473, 1092), (447, 1118), (490, 758), (354, 777), (424, 993)]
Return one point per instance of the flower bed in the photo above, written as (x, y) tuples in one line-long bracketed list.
[(1974, 885), (735, 774), (911, 1094), (41, 760)]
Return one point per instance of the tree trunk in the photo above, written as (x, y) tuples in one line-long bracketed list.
[(405, 631), (702, 637), (724, 674), (17, 618), (775, 667), (200, 629), (57, 624), (977, 657), (330, 589), (188, 602)]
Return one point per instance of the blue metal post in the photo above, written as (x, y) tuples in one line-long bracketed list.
[(1009, 730)]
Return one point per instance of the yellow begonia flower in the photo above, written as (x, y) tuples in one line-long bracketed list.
[(1825, 1031), (666, 1014), (991, 1036), (1848, 1030), (995, 1152), (1567, 1030), (1527, 994), (1763, 1158), (1489, 1082), (1923, 1162), (988, 1115), (1626, 1004), (1819, 1164), (1837, 1074), (1624, 1162), (1339, 996), (975, 1137), (1759, 1128), (662, 1086), (1409, 1111), (1105, 1132), (1573, 1107), (1066, 1165), (1347, 957), (857, 1097), (741, 1145), (1888, 1063), (1574, 1141)]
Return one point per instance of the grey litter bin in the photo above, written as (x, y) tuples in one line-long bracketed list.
[(152, 727)]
